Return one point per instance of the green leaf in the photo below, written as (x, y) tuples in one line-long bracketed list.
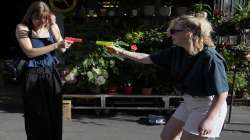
[(90, 75)]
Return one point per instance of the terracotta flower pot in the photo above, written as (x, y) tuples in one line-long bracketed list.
[(112, 89), (128, 90), (146, 91)]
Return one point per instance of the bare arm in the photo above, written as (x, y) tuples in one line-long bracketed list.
[(55, 31), (25, 43), (214, 109), (139, 57), (217, 102)]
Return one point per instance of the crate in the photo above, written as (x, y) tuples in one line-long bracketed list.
[(67, 109)]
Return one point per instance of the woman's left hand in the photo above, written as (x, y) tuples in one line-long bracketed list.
[(205, 127), (68, 44)]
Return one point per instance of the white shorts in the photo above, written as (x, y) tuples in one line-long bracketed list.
[(194, 109)]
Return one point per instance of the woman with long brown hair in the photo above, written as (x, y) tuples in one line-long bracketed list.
[(39, 37)]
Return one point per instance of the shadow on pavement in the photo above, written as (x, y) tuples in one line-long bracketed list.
[(236, 130), (238, 123), (10, 99)]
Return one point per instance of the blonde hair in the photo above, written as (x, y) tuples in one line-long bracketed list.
[(39, 9), (199, 26)]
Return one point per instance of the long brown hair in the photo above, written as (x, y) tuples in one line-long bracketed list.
[(37, 9)]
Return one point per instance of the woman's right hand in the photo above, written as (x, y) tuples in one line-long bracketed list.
[(63, 44), (114, 50)]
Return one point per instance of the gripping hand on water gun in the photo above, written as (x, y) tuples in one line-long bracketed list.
[(109, 45), (136, 56), (68, 41)]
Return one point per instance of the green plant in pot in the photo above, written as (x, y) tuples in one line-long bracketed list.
[(95, 68), (147, 41), (127, 76), (241, 51), (240, 85), (146, 77), (240, 19), (202, 7), (242, 71), (242, 13)]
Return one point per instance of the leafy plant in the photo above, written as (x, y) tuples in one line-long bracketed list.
[(242, 10), (94, 65), (240, 80), (134, 37), (242, 69), (244, 47), (202, 7), (148, 41), (95, 68)]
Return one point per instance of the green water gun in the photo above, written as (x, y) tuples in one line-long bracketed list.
[(111, 43)]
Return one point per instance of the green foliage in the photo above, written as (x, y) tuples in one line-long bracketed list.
[(242, 10), (229, 24), (202, 7), (240, 80), (244, 47), (148, 41), (233, 60)]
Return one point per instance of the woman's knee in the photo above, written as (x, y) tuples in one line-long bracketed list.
[(188, 136), (172, 130), (167, 134)]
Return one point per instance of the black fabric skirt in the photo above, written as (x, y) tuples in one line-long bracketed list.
[(42, 100)]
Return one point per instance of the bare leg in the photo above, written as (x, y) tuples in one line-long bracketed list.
[(188, 136), (172, 130)]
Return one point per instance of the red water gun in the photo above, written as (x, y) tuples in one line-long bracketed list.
[(72, 40)]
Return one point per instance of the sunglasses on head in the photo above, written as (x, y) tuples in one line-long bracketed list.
[(173, 31)]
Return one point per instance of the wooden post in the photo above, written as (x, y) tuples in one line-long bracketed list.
[(67, 109)]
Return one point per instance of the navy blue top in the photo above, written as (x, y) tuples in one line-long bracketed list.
[(206, 74), (44, 60)]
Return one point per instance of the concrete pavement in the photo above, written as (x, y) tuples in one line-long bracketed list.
[(118, 126)]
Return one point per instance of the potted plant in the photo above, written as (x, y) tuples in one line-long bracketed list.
[(242, 13), (241, 50), (235, 64), (202, 7), (165, 7), (113, 81), (240, 86), (149, 8), (145, 41), (146, 77), (95, 68)]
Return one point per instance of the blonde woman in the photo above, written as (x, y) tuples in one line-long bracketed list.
[(39, 37), (200, 76)]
